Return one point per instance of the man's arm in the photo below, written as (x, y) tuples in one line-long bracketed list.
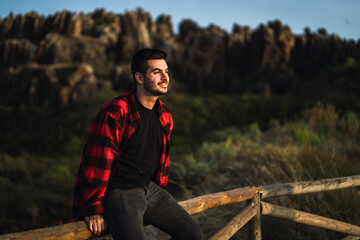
[(100, 152), (101, 149)]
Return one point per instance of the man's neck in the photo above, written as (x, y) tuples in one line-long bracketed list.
[(146, 99)]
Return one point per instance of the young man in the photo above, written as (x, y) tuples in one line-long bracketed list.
[(123, 171)]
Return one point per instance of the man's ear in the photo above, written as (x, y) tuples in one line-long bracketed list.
[(139, 78)]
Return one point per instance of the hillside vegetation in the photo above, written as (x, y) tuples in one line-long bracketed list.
[(208, 155)]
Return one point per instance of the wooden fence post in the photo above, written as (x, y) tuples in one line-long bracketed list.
[(255, 222), (236, 223)]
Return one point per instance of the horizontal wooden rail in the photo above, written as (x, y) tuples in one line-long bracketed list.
[(69, 231), (308, 187), (309, 219), (236, 223), (202, 203)]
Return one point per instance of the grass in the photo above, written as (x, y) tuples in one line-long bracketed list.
[(279, 155)]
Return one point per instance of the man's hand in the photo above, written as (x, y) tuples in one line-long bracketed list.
[(96, 224)]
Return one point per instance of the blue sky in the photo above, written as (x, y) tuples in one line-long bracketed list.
[(341, 17)]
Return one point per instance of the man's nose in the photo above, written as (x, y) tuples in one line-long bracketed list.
[(164, 76)]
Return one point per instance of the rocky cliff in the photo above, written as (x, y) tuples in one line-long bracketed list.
[(35, 51)]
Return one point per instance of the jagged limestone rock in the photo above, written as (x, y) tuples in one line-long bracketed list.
[(202, 58), (16, 52), (48, 86)]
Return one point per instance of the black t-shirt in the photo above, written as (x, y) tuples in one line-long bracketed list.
[(140, 157)]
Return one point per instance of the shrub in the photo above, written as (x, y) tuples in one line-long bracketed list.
[(56, 173), (350, 63), (302, 135), (255, 132), (211, 158), (321, 118), (17, 169), (350, 123), (73, 146)]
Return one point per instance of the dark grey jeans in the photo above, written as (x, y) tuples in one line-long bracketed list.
[(127, 210)]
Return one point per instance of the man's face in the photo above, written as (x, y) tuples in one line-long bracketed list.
[(156, 79)]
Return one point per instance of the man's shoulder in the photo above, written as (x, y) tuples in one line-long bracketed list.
[(164, 107), (118, 106), (120, 101)]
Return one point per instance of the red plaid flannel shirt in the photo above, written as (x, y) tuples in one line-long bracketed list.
[(113, 126)]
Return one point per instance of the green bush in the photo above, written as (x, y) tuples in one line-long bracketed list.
[(209, 159), (321, 118), (74, 146), (255, 132), (350, 63), (302, 135), (350, 124), (55, 174)]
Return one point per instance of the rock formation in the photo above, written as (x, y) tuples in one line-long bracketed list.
[(48, 86), (16, 52), (267, 59), (57, 48)]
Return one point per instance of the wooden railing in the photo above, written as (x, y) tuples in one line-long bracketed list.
[(251, 213)]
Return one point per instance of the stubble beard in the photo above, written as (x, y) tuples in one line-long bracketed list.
[(151, 88)]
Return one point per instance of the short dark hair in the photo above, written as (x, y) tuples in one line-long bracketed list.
[(139, 60)]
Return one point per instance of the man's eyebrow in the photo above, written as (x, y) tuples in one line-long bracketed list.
[(158, 69)]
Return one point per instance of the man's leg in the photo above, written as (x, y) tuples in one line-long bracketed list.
[(166, 214), (123, 212)]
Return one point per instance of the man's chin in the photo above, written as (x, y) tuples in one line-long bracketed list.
[(159, 92), (162, 93), (162, 90)]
